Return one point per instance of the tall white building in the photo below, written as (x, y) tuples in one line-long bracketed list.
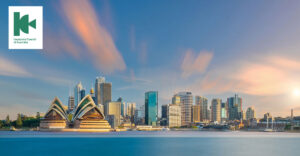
[(77, 93), (174, 115), (250, 113), (203, 102), (186, 102), (216, 110)]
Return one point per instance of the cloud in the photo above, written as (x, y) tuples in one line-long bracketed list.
[(9, 68), (62, 44), (84, 21), (273, 75), (193, 63)]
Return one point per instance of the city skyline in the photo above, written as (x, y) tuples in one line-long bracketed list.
[(211, 50)]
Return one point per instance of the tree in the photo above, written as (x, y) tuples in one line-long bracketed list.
[(19, 122), (7, 121), (1, 124), (38, 115)]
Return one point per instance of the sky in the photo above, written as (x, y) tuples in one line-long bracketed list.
[(212, 48)]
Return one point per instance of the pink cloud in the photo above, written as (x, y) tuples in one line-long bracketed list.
[(193, 63), (84, 21), (270, 76)]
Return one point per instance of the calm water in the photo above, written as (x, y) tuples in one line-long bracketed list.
[(150, 143)]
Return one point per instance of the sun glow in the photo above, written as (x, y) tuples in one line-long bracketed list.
[(296, 92)]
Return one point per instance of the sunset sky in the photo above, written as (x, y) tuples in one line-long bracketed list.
[(211, 48)]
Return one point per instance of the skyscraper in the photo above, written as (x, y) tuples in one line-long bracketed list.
[(203, 102), (223, 112), (186, 102), (164, 115), (98, 82), (122, 106), (234, 108), (216, 110), (82, 93), (250, 113), (196, 113), (71, 104), (105, 90), (77, 93), (151, 107), (131, 110), (174, 115)]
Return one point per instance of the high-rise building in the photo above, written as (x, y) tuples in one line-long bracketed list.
[(196, 113), (174, 115), (234, 108), (131, 110), (203, 103), (151, 107), (105, 90), (223, 112), (216, 110), (186, 102), (82, 93), (164, 115), (71, 104), (98, 82), (250, 113), (122, 106), (114, 108), (77, 93)]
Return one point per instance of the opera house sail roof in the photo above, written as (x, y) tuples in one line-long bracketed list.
[(87, 110), (56, 116), (56, 111)]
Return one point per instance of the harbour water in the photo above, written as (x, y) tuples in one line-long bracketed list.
[(171, 143)]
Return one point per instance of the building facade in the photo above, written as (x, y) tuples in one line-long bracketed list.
[(196, 113), (203, 103), (235, 108), (77, 93), (98, 82), (174, 115), (105, 94), (71, 104), (114, 111), (216, 110), (250, 113), (151, 107), (186, 102)]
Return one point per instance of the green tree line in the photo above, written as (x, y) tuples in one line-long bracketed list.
[(21, 121)]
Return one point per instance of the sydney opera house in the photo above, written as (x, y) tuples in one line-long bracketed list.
[(86, 117)]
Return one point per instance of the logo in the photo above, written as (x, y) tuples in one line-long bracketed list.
[(25, 27), (22, 23)]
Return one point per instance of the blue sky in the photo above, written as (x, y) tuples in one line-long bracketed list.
[(212, 48)]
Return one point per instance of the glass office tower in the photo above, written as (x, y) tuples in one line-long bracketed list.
[(151, 107)]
